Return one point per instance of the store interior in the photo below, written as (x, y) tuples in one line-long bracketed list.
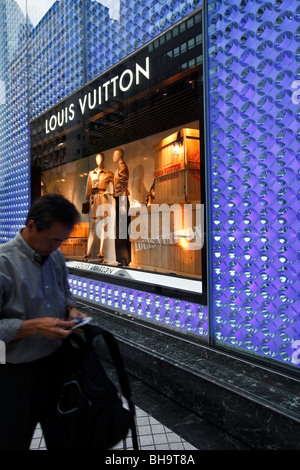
[(164, 173)]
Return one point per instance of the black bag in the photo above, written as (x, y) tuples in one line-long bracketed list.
[(85, 208), (89, 406)]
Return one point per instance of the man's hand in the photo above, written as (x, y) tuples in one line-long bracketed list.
[(54, 327), (75, 313), (47, 326)]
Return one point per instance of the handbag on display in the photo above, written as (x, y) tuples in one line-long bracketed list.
[(90, 407), (85, 207)]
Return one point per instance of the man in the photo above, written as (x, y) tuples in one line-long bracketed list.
[(36, 312)]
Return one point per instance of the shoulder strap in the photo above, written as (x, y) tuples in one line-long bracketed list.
[(91, 331)]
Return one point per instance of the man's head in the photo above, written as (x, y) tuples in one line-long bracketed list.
[(50, 221)]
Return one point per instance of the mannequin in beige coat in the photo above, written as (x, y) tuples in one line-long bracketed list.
[(97, 194)]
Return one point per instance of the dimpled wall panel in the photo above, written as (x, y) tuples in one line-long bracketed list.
[(56, 56), (180, 314), (13, 121), (39, 66), (110, 39), (254, 67)]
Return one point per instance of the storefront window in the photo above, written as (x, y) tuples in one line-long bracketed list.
[(130, 145)]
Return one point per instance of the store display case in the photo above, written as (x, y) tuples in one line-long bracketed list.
[(76, 244), (172, 223), (177, 167)]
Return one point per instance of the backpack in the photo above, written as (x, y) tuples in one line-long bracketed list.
[(90, 407)]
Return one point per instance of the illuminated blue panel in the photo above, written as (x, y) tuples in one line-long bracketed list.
[(254, 154), (56, 56), (110, 37), (179, 314), (16, 184), (13, 121)]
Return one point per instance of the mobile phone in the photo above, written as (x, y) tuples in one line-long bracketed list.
[(80, 322)]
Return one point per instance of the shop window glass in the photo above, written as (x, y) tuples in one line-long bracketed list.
[(52, 52), (150, 108)]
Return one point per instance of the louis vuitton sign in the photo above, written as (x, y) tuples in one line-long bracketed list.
[(93, 97)]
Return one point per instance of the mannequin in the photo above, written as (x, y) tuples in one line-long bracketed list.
[(97, 194), (121, 193)]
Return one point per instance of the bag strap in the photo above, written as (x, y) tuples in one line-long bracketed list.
[(91, 331)]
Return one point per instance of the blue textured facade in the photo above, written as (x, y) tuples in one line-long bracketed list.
[(14, 163), (254, 151)]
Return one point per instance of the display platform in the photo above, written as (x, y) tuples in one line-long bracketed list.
[(115, 273)]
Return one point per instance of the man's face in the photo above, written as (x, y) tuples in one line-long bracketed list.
[(46, 241)]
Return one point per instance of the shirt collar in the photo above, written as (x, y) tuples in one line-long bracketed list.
[(28, 251)]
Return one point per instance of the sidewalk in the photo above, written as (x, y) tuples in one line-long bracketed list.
[(152, 435)]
